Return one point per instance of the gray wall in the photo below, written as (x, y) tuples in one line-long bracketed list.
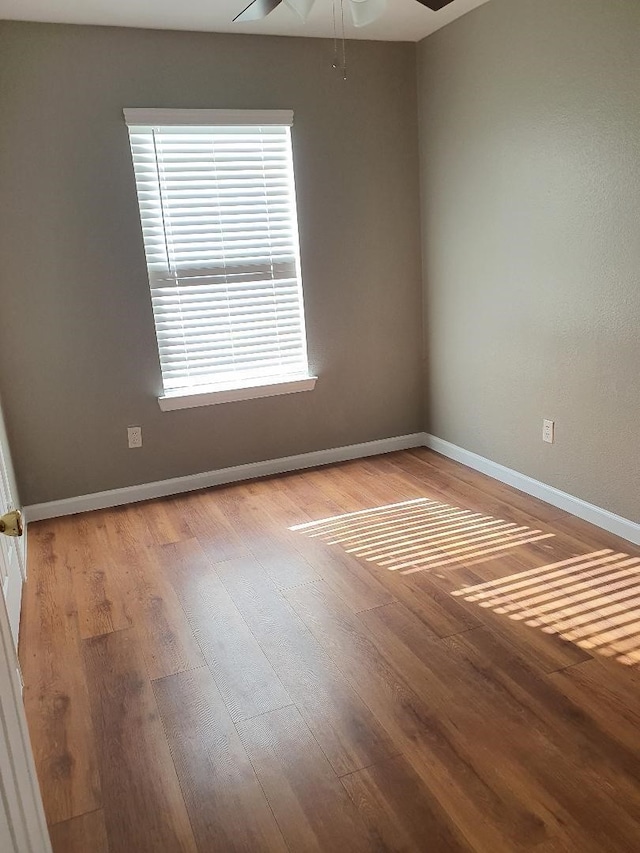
[(530, 154), (78, 359), (529, 123)]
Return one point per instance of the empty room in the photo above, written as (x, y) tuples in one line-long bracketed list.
[(319, 426)]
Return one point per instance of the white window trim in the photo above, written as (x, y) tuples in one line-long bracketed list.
[(183, 398), (165, 117), (212, 396)]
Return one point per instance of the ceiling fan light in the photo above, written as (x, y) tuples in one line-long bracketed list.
[(366, 12), (302, 7)]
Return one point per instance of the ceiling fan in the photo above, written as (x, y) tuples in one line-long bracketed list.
[(363, 12)]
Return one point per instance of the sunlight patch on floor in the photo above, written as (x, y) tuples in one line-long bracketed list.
[(420, 534), (592, 600)]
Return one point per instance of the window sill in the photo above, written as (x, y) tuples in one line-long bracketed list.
[(212, 396)]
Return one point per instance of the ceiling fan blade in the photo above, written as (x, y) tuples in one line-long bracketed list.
[(257, 10), (435, 5), (366, 12), (302, 7)]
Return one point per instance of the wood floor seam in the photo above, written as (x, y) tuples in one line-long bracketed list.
[(376, 607), (105, 633), (166, 737), (570, 666), (264, 713), (296, 585), (66, 820), (181, 672), (398, 754), (264, 793)]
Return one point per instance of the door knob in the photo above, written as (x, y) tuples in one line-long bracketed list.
[(11, 524)]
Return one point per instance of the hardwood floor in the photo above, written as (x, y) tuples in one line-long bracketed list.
[(393, 654)]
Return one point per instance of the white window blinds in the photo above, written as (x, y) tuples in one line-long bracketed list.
[(218, 211)]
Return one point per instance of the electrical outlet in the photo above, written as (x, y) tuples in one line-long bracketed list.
[(548, 430), (134, 435)]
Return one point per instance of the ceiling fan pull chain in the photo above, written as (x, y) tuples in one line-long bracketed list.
[(335, 36), (344, 43)]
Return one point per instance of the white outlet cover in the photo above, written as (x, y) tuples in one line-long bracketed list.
[(134, 435)]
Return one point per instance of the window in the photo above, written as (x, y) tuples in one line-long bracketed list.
[(218, 211)]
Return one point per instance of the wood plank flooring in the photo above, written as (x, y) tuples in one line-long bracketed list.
[(394, 654)]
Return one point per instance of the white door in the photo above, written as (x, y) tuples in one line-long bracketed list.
[(12, 556), (23, 827)]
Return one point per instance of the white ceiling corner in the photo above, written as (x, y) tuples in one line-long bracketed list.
[(403, 20)]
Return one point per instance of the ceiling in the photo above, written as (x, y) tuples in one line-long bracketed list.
[(404, 20)]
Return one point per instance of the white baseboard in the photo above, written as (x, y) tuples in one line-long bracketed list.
[(616, 524), (162, 488)]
